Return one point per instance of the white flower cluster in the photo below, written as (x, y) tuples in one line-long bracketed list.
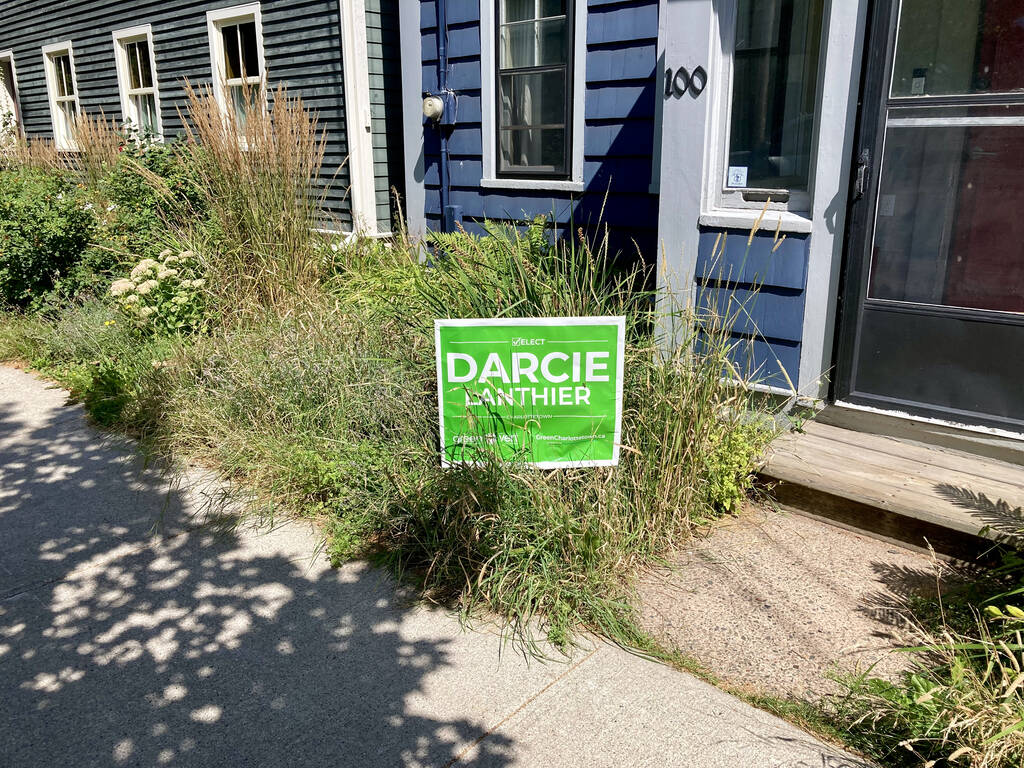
[(162, 294)]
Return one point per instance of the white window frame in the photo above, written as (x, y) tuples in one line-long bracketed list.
[(488, 105), (121, 38), (358, 117), (718, 201), (63, 136), (8, 57), (224, 17)]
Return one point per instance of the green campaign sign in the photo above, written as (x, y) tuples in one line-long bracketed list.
[(544, 391)]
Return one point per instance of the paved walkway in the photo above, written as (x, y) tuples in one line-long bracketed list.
[(131, 636)]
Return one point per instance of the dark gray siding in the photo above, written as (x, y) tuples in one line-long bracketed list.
[(383, 52), (302, 43)]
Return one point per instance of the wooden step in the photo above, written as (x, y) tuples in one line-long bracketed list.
[(918, 495)]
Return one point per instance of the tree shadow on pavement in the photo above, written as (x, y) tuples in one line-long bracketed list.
[(194, 647)]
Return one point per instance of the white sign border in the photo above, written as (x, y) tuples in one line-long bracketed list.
[(618, 320)]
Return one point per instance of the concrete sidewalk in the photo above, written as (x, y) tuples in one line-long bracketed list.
[(131, 636)]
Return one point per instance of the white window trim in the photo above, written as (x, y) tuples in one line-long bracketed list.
[(8, 56), (224, 17), (121, 38), (488, 102), (358, 118), (65, 143), (715, 209)]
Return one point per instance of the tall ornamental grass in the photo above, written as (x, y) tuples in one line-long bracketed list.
[(259, 171)]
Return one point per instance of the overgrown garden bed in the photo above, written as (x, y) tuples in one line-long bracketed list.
[(187, 295)]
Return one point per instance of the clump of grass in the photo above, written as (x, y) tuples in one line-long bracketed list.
[(99, 143), (330, 410), (962, 701), (41, 154), (961, 704), (20, 336), (258, 170), (89, 349)]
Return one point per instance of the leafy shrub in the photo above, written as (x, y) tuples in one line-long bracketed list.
[(148, 193), (45, 226), (163, 296)]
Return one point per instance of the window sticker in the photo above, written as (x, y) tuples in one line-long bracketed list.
[(737, 176)]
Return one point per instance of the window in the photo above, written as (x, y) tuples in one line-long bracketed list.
[(60, 84), (534, 77), (770, 138), (10, 117), (956, 48), (136, 77), (236, 50)]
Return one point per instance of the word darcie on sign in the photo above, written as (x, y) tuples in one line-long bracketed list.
[(542, 391)]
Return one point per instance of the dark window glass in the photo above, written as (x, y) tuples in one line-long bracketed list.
[(142, 56), (534, 81), (774, 93), (232, 57), (948, 229), (959, 47), (132, 54), (250, 54), (65, 82)]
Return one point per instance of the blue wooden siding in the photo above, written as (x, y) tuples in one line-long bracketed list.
[(302, 43), (618, 139), (761, 288)]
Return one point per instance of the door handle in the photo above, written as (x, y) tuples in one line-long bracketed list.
[(860, 186)]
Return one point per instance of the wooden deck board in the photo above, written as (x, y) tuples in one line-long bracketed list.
[(840, 473), (838, 457), (938, 457)]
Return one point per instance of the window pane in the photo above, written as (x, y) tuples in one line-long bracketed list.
[(67, 111), (539, 149), (145, 70), (69, 79), (774, 92), (533, 99), (534, 43), (552, 7), (949, 228), (949, 47), (62, 70), (232, 59), (7, 102), (517, 10), (250, 54), (58, 76), (243, 98), (145, 110), (132, 55)]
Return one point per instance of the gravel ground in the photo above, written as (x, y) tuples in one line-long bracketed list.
[(778, 602)]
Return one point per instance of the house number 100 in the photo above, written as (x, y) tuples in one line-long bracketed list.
[(679, 82)]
